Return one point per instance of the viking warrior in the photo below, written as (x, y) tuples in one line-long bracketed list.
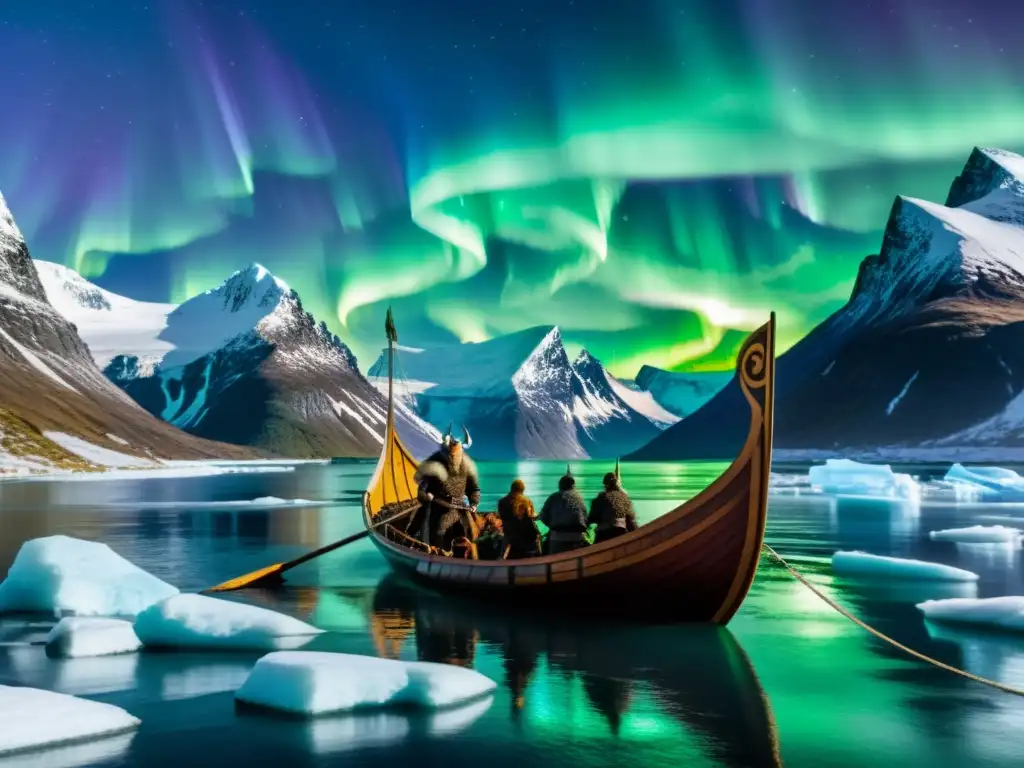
[(612, 510), (517, 522), (565, 513), (445, 479)]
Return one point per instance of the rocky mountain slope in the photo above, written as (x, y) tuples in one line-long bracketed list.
[(50, 387), (928, 351), (243, 363), (522, 397)]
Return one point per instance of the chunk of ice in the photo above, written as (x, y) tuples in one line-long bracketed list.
[(74, 637), (33, 719), (978, 534), (62, 575), (1006, 613), (317, 683), (985, 483), (862, 564), (197, 621), (851, 478)]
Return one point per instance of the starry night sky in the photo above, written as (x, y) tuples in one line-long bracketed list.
[(652, 175)]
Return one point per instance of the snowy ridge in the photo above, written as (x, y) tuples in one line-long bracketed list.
[(604, 397), (108, 323)]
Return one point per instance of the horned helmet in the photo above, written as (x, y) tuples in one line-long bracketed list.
[(448, 439)]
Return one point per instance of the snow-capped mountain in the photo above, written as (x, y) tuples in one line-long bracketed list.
[(929, 350), (242, 363), (109, 324), (521, 397), (50, 383), (681, 393)]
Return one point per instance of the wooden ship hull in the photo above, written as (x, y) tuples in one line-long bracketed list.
[(693, 564)]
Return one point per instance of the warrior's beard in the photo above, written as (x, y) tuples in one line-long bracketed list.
[(455, 459)]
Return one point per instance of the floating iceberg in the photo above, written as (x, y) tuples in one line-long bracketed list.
[(317, 683), (985, 483), (851, 478), (1006, 613), (863, 564), (62, 575), (197, 621), (979, 534), (33, 719), (74, 637)]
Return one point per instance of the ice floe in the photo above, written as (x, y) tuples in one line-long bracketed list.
[(979, 534), (862, 564), (851, 478), (35, 719), (262, 502), (990, 484), (1005, 613), (62, 575), (82, 636), (198, 621), (318, 683)]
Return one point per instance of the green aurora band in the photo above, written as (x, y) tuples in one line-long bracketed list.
[(655, 192)]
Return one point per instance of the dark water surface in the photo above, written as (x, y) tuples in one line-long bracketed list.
[(789, 682)]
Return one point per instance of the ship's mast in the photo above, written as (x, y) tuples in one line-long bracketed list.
[(389, 329)]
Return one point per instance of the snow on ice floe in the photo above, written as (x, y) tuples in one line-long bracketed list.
[(979, 534), (76, 636), (1005, 613), (198, 621), (318, 683), (985, 483), (62, 575), (862, 564), (850, 478), (35, 719)]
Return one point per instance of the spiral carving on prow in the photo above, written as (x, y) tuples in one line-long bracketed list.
[(753, 366)]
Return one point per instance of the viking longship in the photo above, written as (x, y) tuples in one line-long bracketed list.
[(693, 564)]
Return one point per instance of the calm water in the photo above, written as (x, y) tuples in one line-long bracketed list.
[(790, 682)]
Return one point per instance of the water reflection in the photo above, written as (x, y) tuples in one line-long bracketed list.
[(699, 676)]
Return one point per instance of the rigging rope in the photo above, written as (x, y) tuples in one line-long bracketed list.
[(916, 654)]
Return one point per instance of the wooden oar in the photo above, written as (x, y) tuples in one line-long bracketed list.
[(272, 574)]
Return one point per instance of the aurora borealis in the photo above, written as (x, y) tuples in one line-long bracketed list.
[(653, 176)]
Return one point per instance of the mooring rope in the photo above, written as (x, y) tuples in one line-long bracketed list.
[(916, 654)]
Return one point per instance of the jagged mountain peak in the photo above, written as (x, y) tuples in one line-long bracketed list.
[(986, 171), (9, 232), (253, 285), (16, 269), (931, 251)]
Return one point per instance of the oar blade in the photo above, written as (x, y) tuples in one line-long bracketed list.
[(270, 573)]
